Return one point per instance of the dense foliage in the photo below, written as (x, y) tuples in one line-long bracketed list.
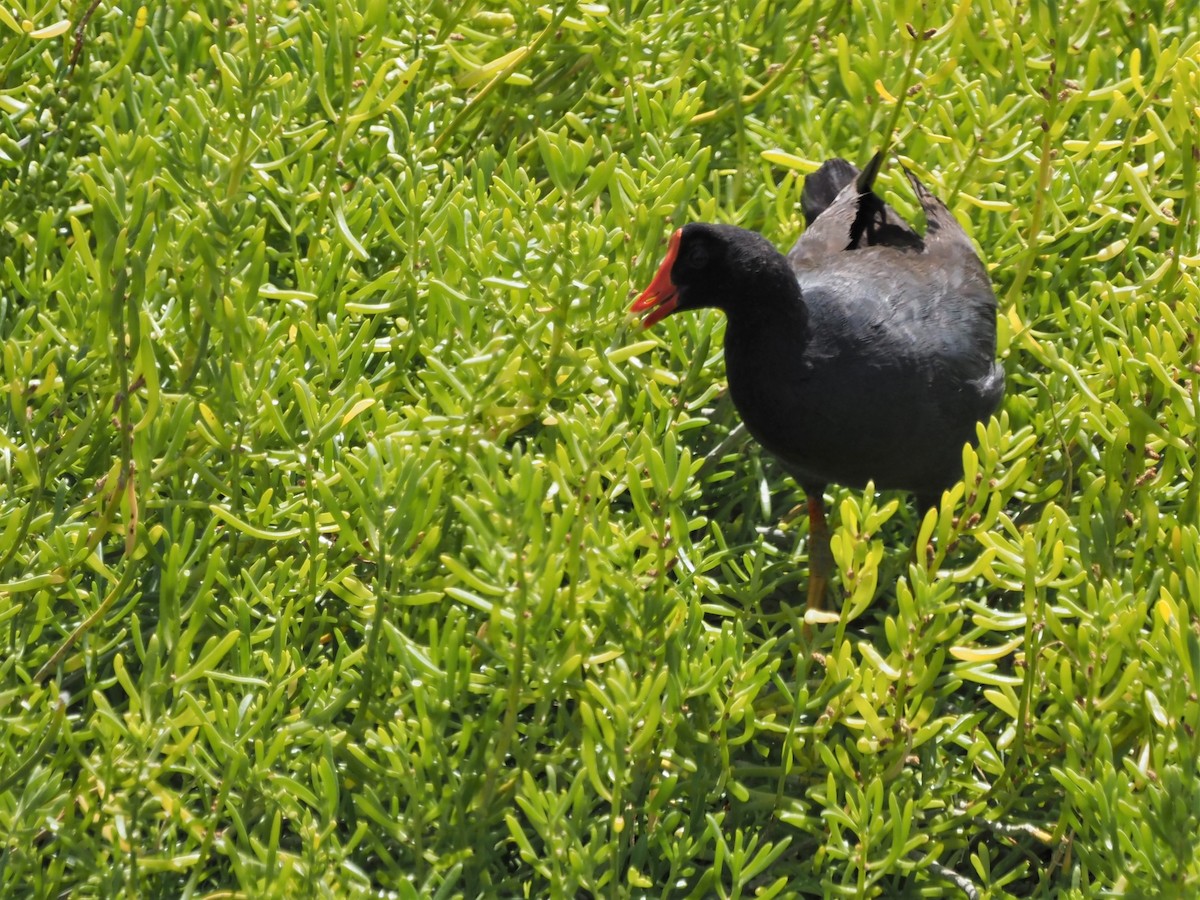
[(354, 540)]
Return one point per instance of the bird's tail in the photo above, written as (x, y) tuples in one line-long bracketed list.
[(823, 185)]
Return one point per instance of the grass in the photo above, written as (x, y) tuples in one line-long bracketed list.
[(354, 541)]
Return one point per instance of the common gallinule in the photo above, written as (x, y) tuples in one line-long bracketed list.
[(867, 353)]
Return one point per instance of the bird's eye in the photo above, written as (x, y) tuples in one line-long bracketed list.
[(695, 256)]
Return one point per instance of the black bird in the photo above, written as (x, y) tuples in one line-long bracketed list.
[(867, 353)]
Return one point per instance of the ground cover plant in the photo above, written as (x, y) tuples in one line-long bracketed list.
[(355, 541)]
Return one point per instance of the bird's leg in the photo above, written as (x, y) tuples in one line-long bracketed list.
[(820, 557)]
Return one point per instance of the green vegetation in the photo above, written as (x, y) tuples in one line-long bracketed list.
[(354, 540)]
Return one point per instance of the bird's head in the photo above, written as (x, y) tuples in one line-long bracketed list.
[(715, 265)]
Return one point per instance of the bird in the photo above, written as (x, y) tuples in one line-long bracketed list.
[(867, 353)]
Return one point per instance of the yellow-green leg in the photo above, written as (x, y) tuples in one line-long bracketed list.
[(820, 557)]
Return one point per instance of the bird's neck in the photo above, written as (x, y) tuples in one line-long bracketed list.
[(773, 310)]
